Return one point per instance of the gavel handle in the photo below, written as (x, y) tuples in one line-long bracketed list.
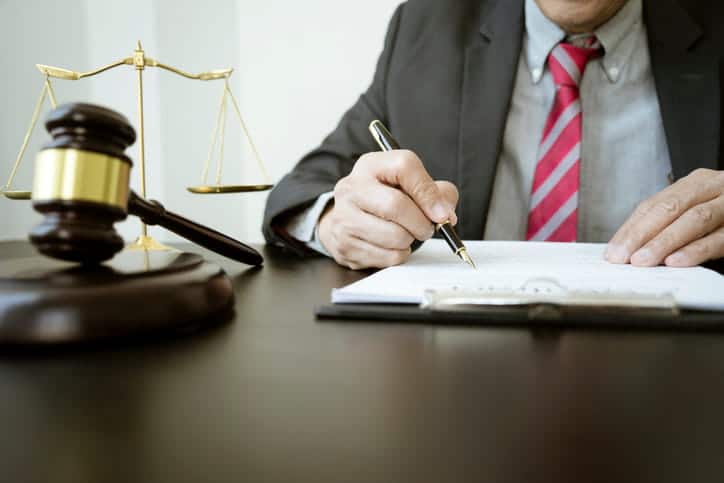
[(153, 213)]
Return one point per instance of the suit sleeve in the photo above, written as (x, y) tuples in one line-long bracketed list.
[(319, 171)]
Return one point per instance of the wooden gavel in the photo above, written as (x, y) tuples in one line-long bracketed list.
[(81, 186)]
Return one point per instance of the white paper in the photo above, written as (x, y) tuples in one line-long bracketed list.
[(511, 265)]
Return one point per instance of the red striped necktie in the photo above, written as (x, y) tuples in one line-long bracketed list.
[(553, 214)]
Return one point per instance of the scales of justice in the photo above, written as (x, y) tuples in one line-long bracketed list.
[(87, 288), (139, 61)]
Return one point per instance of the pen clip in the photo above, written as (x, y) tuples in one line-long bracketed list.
[(383, 137)]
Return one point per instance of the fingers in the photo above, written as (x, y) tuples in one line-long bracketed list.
[(694, 224), (382, 233), (404, 169), (655, 214), (350, 251), (710, 247), (358, 254), (385, 202)]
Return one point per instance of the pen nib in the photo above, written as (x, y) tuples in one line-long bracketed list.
[(464, 255)]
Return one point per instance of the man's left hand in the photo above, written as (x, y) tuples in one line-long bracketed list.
[(683, 226)]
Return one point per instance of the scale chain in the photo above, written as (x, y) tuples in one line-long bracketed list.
[(214, 137), (221, 147), (246, 132), (33, 121)]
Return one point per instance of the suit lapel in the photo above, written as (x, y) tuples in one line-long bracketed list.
[(491, 63), (688, 86)]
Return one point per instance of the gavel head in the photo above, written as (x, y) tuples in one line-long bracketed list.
[(81, 183)]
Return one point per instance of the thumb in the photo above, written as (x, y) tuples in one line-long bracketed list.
[(450, 193)]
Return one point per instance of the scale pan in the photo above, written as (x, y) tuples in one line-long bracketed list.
[(16, 195), (222, 189)]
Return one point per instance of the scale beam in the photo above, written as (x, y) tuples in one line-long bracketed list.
[(65, 74), (204, 76)]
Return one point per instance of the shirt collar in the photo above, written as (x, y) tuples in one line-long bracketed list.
[(543, 35)]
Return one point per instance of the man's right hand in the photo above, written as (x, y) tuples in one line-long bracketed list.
[(387, 202)]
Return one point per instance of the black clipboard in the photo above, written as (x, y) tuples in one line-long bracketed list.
[(532, 316), (546, 305), (540, 305)]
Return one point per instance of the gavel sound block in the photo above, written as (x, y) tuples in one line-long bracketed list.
[(81, 188), (46, 302)]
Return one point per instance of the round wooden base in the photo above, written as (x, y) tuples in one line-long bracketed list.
[(137, 294)]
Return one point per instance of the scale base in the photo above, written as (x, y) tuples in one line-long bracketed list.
[(44, 302)]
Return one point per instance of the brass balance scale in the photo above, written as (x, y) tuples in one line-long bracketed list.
[(161, 290), (139, 61)]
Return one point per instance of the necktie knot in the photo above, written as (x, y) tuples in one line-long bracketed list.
[(567, 62)]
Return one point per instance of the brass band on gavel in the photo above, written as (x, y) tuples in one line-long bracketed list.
[(66, 175)]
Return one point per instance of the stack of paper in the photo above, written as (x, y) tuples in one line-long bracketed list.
[(511, 266)]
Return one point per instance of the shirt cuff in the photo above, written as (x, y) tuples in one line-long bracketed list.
[(304, 226)]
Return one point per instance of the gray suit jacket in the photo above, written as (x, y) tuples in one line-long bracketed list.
[(443, 85)]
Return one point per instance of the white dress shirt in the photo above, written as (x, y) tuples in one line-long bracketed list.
[(624, 155)]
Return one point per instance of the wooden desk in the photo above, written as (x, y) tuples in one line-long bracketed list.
[(277, 397)]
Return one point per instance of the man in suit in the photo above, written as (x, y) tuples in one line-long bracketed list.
[(555, 120)]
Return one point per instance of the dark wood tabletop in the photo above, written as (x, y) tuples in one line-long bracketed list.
[(275, 396)]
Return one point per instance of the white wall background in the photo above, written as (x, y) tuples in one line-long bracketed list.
[(298, 67)]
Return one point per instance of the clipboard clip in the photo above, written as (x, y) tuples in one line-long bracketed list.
[(546, 297)]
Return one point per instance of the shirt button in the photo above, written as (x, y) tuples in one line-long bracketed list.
[(613, 72), (537, 74)]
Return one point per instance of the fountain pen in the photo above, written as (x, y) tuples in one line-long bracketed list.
[(387, 143)]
